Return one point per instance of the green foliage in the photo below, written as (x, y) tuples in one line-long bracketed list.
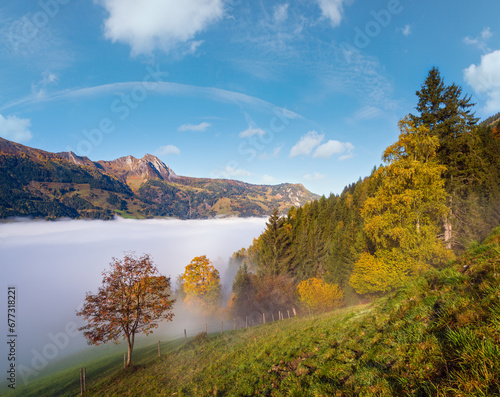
[(438, 336), (470, 154)]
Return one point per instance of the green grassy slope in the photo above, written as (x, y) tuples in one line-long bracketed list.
[(439, 336), (62, 378)]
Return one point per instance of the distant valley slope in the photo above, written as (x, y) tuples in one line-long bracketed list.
[(41, 184)]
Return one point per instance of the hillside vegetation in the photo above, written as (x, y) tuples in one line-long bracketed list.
[(47, 185), (439, 336), (437, 191)]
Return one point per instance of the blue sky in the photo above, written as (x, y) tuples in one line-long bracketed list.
[(261, 91)]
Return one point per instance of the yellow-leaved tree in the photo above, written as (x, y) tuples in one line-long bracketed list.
[(317, 295), (403, 218), (201, 285)]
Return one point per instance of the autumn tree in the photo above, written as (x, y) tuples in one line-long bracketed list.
[(403, 218), (274, 293), (201, 283), (449, 117), (317, 295), (133, 298)]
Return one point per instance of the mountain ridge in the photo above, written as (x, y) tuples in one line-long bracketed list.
[(38, 183)]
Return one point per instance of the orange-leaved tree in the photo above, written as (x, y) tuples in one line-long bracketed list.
[(201, 284), (133, 298), (317, 295)]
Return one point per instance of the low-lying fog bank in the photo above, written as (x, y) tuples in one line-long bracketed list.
[(53, 264)]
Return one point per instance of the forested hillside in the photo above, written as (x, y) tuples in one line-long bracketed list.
[(48, 185), (438, 190)]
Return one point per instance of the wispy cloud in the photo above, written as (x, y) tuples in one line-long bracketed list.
[(276, 152), (194, 127), (251, 131), (148, 25), (168, 149), (158, 88), (332, 10), (39, 89), (368, 113), (234, 171), (406, 30), (314, 177), (268, 179), (481, 40), (361, 76), (15, 129)]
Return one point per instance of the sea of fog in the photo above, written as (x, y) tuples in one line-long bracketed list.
[(53, 264)]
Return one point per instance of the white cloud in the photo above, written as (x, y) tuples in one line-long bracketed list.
[(306, 144), (168, 149), (15, 129), (332, 10), (486, 33), (480, 41), (314, 177), (268, 179), (251, 132), (147, 25), (406, 30), (39, 89), (281, 13), (332, 147), (236, 171), (160, 88), (368, 112), (274, 154), (194, 127), (485, 79)]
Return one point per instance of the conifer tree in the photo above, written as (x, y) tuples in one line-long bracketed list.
[(402, 219), (449, 117)]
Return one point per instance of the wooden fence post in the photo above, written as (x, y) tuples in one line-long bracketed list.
[(206, 329), (294, 312), (185, 336), (159, 351), (234, 323), (288, 311), (246, 322), (221, 327), (272, 314), (263, 318)]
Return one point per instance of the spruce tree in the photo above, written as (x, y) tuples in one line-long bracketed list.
[(448, 115)]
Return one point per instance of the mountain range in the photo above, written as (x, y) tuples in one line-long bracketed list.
[(48, 185)]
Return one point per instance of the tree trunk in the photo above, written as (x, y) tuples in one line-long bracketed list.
[(448, 235), (130, 345)]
